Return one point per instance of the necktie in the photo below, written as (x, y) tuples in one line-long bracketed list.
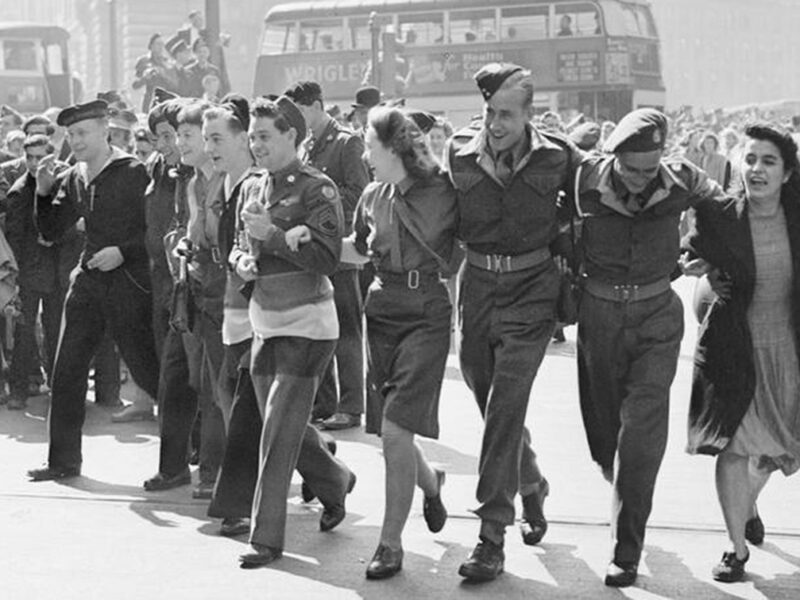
[(504, 166)]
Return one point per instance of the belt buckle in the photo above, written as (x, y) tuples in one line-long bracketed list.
[(495, 263), (627, 293), (215, 254), (413, 279)]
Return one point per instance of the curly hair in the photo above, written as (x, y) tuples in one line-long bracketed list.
[(782, 140), (397, 131)]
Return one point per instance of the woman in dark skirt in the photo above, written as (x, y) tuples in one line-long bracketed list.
[(745, 405), (405, 222)]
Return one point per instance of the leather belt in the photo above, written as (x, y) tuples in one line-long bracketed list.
[(501, 263), (410, 279), (625, 292)]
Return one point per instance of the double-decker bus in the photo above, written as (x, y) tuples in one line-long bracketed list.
[(598, 57), (34, 67)]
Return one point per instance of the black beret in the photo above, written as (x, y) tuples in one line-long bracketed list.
[(292, 114), (490, 77), (304, 92), (643, 130), (585, 136), (96, 109), (424, 120), (38, 120), (367, 97), (239, 106)]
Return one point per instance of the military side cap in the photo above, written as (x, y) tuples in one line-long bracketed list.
[(38, 120), (642, 130), (367, 97), (304, 92), (112, 98), (161, 95), (424, 120), (490, 77), (293, 115), (121, 119), (585, 136), (96, 109), (175, 45)]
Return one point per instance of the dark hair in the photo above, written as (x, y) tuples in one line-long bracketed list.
[(399, 132), (38, 139), (192, 114), (782, 140), (265, 108)]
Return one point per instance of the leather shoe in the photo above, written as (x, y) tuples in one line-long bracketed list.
[(53, 473), (160, 481), (534, 524), (341, 421), (334, 514), (432, 508), (203, 491), (730, 569), (753, 529), (260, 556), (132, 413), (485, 562), (621, 574), (385, 563), (305, 490), (233, 526)]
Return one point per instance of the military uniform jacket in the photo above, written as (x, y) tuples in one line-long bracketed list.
[(112, 206), (517, 217), (635, 246), (339, 154), (293, 295)]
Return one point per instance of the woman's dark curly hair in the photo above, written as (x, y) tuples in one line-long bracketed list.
[(782, 140), (397, 131)]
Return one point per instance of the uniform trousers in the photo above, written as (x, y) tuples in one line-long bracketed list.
[(190, 368), (97, 300), (286, 372), (506, 321), (236, 484), (348, 361), (627, 358)]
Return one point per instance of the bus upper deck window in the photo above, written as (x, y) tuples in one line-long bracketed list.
[(19, 55), (321, 35), (360, 34), (472, 26), (279, 38), (578, 19), (425, 29), (525, 23)]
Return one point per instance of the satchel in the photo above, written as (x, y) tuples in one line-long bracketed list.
[(181, 314)]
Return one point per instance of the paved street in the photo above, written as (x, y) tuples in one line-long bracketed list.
[(100, 536)]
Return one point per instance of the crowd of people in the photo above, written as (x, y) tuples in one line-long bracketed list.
[(242, 253)]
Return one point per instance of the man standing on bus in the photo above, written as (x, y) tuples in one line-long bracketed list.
[(338, 152), (508, 176)]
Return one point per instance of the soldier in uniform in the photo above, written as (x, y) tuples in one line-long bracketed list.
[(111, 286), (294, 323), (508, 176), (338, 152), (631, 322)]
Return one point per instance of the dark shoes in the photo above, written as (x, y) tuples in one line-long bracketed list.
[(341, 421), (753, 529), (432, 508), (233, 526), (485, 563), (534, 525), (334, 514), (305, 491), (54, 473), (131, 414), (160, 481), (260, 556), (203, 491), (730, 569), (621, 574), (385, 563)]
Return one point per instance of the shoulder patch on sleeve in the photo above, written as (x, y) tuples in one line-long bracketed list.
[(328, 192)]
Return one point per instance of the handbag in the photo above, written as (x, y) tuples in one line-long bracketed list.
[(181, 314)]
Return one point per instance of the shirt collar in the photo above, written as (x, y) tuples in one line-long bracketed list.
[(613, 198), (480, 145), (83, 168), (406, 184)]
